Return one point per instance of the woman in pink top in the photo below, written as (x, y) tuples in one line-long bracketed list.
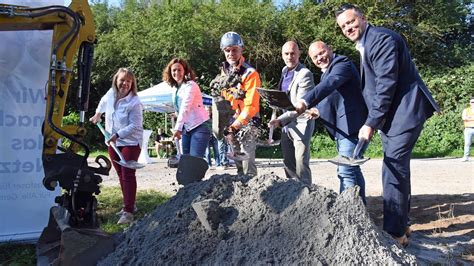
[(193, 126)]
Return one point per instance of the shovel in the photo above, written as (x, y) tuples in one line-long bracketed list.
[(129, 164), (270, 142), (236, 156), (173, 161), (355, 160), (190, 168)]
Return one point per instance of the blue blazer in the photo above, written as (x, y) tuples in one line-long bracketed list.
[(339, 99), (396, 97)]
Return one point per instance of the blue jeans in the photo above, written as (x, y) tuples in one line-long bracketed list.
[(350, 176), (195, 142), (223, 149), (468, 135), (213, 143)]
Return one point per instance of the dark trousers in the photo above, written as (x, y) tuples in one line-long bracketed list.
[(396, 179), (127, 178)]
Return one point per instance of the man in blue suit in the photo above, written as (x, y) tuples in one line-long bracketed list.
[(398, 104), (341, 107)]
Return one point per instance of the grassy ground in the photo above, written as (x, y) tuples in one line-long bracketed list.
[(110, 202)]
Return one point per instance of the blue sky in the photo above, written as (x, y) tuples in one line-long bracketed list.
[(111, 2), (117, 2)]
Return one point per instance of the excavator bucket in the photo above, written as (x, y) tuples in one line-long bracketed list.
[(72, 236), (60, 244)]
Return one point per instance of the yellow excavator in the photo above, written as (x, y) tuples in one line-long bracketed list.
[(72, 236)]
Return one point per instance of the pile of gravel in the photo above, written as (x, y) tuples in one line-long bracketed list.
[(267, 219)]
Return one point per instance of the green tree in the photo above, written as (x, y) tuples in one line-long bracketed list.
[(146, 34)]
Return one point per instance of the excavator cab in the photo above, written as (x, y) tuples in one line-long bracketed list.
[(72, 235)]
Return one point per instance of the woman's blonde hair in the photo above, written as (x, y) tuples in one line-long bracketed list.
[(188, 72), (129, 74)]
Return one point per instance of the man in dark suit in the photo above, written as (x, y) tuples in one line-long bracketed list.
[(296, 135), (398, 103), (341, 107)]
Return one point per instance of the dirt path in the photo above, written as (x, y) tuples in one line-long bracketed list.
[(442, 210)]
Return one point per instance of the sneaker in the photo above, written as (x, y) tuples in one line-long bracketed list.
[(125, 218), (135, 210), (465, 159)]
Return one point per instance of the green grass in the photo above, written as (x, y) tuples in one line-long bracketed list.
[(96, 153), (110, 202), (17, 254)]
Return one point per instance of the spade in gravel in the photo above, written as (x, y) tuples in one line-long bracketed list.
[(190, 168)]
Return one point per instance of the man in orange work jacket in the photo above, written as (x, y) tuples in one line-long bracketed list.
[(244, 100)]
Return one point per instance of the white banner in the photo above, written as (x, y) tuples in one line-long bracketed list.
[(24, 66)]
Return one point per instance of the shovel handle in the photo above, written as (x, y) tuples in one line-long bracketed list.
[(358, 148), (107, 137), (270, 133), (178, 147), (102, 130), (122, 159)]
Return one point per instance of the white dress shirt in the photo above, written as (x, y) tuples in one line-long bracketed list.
[(123, 117)]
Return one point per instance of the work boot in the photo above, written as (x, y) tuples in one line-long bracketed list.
[(408, 231), (403, 240), (126, 218)]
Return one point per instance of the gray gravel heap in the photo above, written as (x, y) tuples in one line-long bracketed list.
[(264, 220)]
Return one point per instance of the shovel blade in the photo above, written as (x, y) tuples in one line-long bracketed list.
[(346, 161), (130, 164), (268, 143), (173, 162), (190, 169)]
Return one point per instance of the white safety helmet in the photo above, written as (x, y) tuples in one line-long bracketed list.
[(231, 39)]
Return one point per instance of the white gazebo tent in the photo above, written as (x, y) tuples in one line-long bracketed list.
[(159, 98)]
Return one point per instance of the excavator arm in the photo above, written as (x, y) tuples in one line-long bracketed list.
[(73, 33), (64, 153)]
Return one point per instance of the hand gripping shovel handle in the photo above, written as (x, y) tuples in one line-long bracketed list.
[(270, 133), (122, 162), (355, 160), (358, 148), (178, 148), (107, 137)]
